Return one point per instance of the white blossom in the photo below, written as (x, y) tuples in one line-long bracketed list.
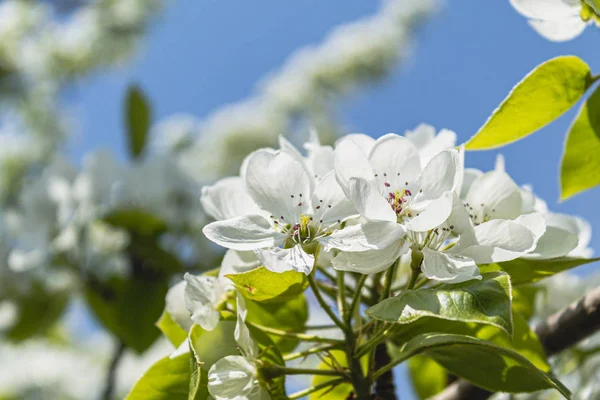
[(236, 377)]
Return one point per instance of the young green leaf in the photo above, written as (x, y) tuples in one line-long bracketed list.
[(580, 166), (486, 302), (487, 365), (524, 271), (542, 96), (167, 379), (260, 284), (290, 315), (171, 329), (138, 118), (207, 348)]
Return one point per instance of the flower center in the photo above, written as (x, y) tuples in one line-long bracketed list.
[(479, 214)]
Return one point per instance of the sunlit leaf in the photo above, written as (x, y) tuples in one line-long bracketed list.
[(171, 329), (486, 302), (167, 379), (487, 365), (260, 284), (542, 96), (524, 270), (580, 166), (290, 315)]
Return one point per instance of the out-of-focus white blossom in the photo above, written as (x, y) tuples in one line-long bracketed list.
[(311, 78)]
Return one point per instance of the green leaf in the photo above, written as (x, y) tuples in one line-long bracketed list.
[(524, 341), (171, 329), (260, 284), (129, 307), (334, 359), (136, 221), (270, 354), (39, 309), (167, 379), (542, 96), (485, 302), (524, 299), (487, 365), (208, 347), (428, 377), (138, 116), (290, 315), (524, 271), (580, 165)]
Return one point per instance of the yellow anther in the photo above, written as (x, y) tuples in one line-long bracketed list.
[(304, 222)]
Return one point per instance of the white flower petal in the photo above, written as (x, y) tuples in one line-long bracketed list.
[(500, 240), (449, 268), (559, 31), (434, 214), (228, 198), (495, 194), (366, 236), (371, 261), (202, 295), (576, 226), (329, 201), (176, 307), (428, 144), (243, 233), (547, 9), (369, 202), (442, 174), (470, 175), (237, 262), (242, 335), (554, 243), (395, 161), (351, 162), (278, 184), (535, 222), (230, 377), (364, 142), (277, 259)]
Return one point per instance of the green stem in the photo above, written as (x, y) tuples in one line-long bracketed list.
[(374, 341), (312, 389), (414, 275), (389, 279), (296, 335), (312, 350), (356, 298), (391, 365), (341, 297), (276, 370), (313, 285)]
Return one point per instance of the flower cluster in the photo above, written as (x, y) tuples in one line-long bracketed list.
[(368, 202)]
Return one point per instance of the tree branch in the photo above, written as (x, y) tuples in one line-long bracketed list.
[(111, 375), (384, 385), (558, 332)]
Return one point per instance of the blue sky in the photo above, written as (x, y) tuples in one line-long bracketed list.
[(202, 54)]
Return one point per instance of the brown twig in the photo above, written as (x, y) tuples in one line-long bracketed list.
[(558, 332)]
